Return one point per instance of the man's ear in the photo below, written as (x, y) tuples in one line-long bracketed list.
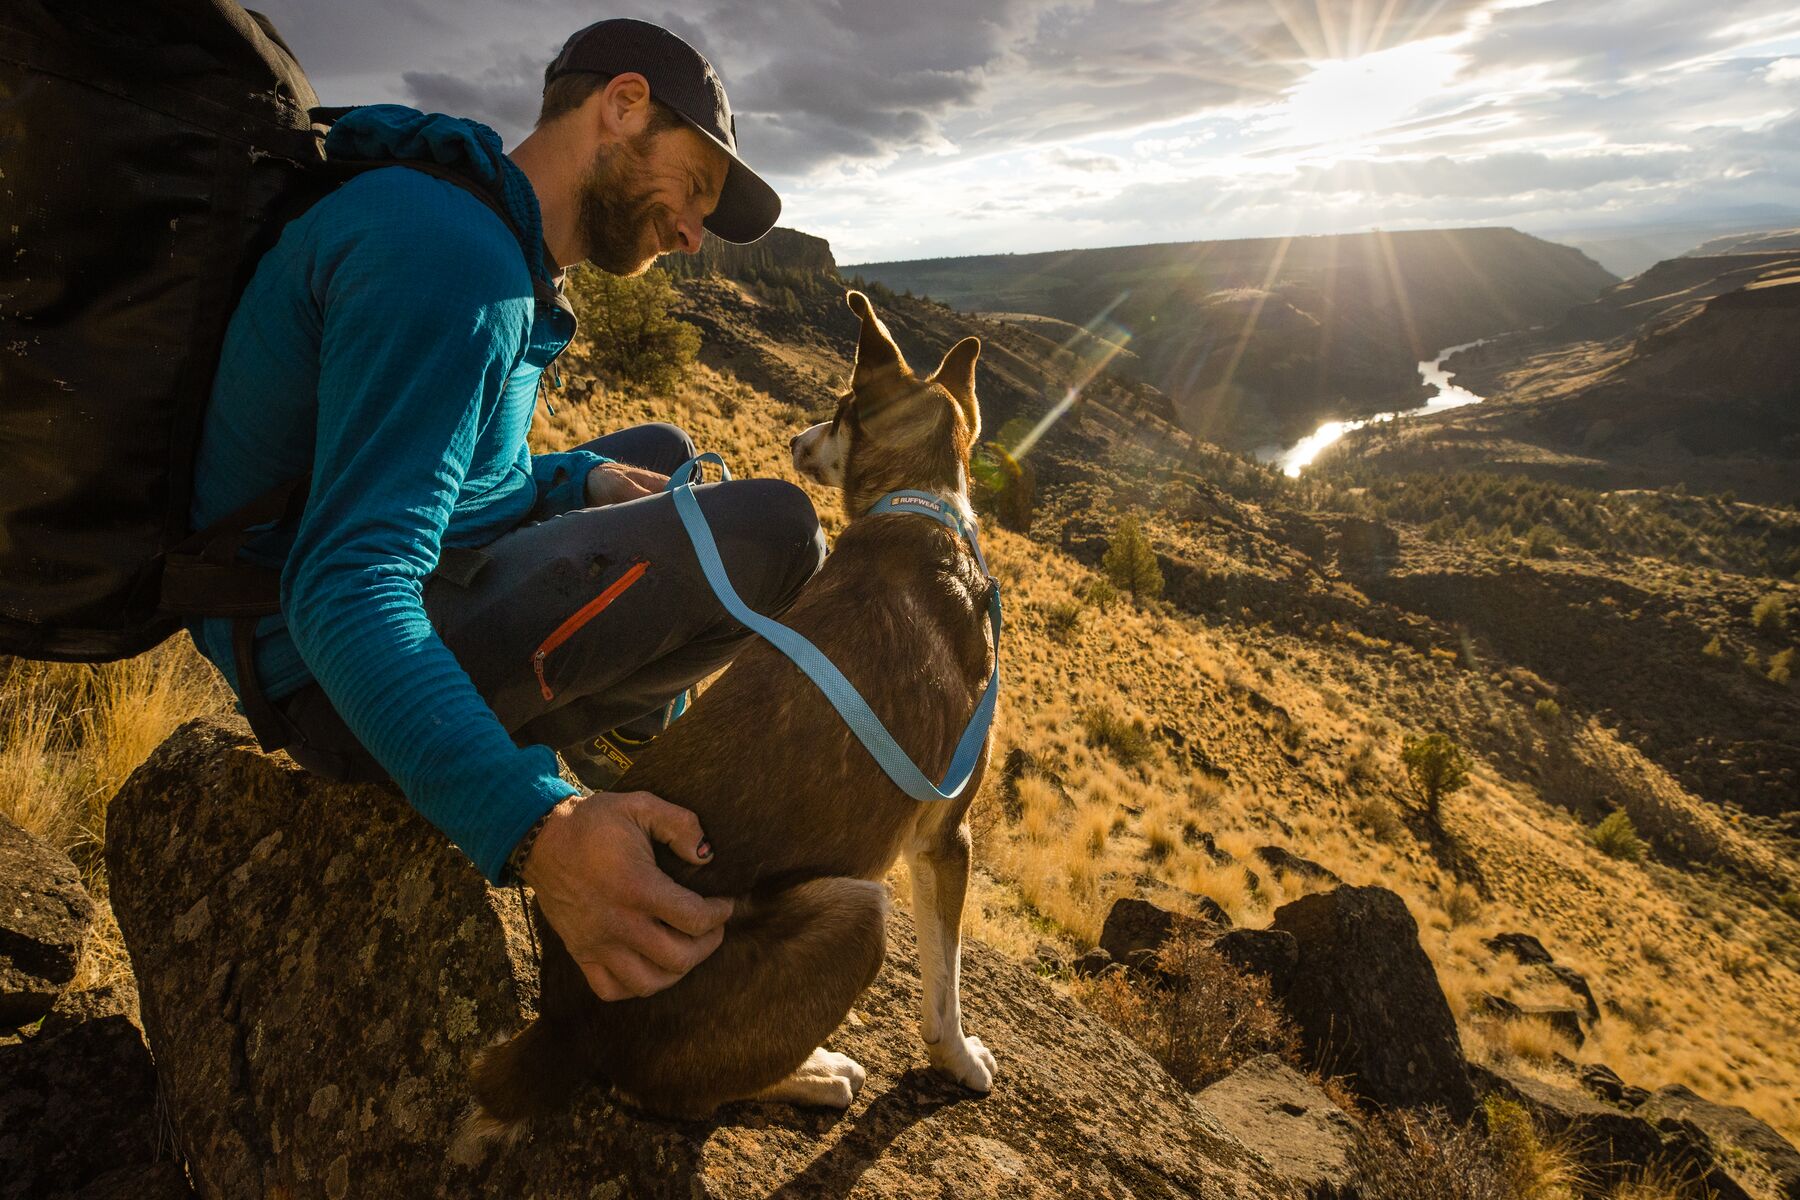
[(879, 363), (957, 374), (625, 106)]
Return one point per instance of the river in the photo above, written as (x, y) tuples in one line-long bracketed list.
[(1296, 458)]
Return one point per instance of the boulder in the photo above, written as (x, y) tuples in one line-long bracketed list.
[(1603, 1082), (1095, 963), (1758, 1159), (317, 966), (1367, 1001), (44, 914), (74, 1107), (1577, 983), (1610, 1143), (1136, 929), (1285, 862), (1203, 840), (1561, 1020), (1270, 953), (1524, 948), (1283, 1116)]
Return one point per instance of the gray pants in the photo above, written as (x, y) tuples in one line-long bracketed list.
[(597, 619)]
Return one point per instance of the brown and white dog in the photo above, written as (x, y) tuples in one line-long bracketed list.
[(803, 823)]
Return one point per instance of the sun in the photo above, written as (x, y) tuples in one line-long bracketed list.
[(1346, 98)]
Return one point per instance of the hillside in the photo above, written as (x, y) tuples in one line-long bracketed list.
[(1684, 375), (1195, 748), (1257, 340)]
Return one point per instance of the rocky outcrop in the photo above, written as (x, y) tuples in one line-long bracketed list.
[(44, 914), (1283, 1116), (1367, 1001), (1757, 1158), (74, 1106), (317, 966)]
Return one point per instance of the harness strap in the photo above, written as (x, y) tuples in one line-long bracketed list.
[(824, 674)]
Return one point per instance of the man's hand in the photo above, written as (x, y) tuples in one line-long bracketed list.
[(632, 929), (609, 483)]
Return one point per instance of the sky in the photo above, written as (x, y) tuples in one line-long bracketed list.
[(923, 128)]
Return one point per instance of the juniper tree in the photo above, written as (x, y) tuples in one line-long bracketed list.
[(1129, 561)]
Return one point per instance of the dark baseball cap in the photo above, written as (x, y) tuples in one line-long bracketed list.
[(681, 78)]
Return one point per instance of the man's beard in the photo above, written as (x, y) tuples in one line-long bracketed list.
[(614, 219)]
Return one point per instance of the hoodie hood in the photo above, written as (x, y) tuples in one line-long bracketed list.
[(395, 132)]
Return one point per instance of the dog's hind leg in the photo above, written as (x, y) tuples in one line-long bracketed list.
[(826, 1080), (939, 864), (747, 1018)]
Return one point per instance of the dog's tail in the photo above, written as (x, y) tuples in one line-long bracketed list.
[(530, 1074)]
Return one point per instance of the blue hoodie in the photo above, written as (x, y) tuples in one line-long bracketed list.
[(390, 343)]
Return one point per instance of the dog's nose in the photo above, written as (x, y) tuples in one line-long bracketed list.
[(794, 442)]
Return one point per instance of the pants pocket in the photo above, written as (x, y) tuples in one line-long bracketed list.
[(578, 620)]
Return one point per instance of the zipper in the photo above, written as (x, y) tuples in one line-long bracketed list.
[(579, 618)]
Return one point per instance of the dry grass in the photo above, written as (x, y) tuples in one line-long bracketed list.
[(70, 734)]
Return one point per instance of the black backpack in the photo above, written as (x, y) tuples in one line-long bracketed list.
[(152, 150)]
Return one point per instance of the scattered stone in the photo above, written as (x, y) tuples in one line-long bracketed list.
[(1610, 1143), (44, 914), (1095, 963), (73, 1107), (1563, 1021), (314, 1035), (1285, 862), (1284, 1117), (1734, 1136), (1524, 948), (1135, 931), (1050, 958), (1203, 840), (1603, 1082), (1576, 982), (1490, 1005), (1367, 1001), (1270, 953)]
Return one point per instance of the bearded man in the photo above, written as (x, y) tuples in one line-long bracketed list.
[(455, 609)]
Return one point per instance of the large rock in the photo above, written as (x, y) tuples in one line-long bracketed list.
[(316, 967), (1283, 1116), (1367, 1001), (1761, 1161), (1611, 1143), (74, 1107), (44, 914)]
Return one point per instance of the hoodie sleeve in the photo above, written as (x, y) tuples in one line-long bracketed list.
[(425, 307), (562, 481)]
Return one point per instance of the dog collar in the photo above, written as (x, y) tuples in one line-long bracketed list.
[(935, 507)]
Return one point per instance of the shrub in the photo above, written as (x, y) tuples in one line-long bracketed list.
[(1548, 711), (1714, 649), (1533, 1168), (1437, 767), (1781, 667), (1616, 837), (1062, 621), (1130, 563), (1127, 741), (1462, 904), (1405, 1155), (1202, 1020), (1541, 542), (631, 335), (1378, 817), (1770, 615), (1101, 594)]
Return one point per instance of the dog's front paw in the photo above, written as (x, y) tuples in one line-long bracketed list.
[(965, 1060)]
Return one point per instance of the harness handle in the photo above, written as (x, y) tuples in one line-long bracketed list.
[(824, 674)]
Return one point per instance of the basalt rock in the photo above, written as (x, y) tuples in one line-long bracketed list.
[(317, 966), (1523, 947), (1284, 1117), (1285, 862), (44, 914), (1271, 953), (1757, 1158), (1367, 1001)]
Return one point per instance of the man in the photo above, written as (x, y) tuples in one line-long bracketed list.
[(454, 608)]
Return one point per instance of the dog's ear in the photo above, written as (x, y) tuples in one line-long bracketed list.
[(957, 374), (879, 363)]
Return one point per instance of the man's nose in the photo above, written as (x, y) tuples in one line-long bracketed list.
[(689, 231)]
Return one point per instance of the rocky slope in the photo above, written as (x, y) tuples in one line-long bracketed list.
[(1257, 340)]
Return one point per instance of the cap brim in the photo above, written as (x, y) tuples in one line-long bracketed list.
[(748, 207)]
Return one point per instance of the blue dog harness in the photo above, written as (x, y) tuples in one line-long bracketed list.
[(815, 666)]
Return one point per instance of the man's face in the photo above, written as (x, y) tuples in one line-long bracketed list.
[(648, 196)]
